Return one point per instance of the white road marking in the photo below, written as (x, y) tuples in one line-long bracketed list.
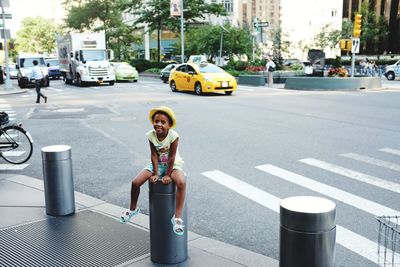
[(390, 150), (373, 161), (5, 106), (13, 166), (340, 195), (13, 153), (348, 239), (365, 178)]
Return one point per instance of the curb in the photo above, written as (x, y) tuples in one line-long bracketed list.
[(12, 91)]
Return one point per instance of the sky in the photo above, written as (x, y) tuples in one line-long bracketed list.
[(20, 9)]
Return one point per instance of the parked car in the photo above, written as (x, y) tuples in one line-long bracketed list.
[(53, 67), (165, 72), (392, 71), (201, 78), (125, 72), (13, 71)]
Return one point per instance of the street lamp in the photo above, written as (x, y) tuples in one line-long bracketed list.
[(220, 46)]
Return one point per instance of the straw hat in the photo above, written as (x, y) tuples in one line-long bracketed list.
[(167, 111)]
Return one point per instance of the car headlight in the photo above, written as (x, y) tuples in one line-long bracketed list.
[(208, 79)]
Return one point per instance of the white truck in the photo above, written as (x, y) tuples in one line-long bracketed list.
[(84, 59)]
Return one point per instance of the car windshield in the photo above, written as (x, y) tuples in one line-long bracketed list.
[(28, 62), (53, 62), (93, 55), (210, 69), (122, 66)]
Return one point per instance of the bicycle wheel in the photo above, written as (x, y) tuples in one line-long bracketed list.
[(21, 144)]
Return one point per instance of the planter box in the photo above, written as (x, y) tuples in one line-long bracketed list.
[(333, 83), (257, 80)]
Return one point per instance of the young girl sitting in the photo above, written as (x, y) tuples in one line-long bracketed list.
[(166, 165)]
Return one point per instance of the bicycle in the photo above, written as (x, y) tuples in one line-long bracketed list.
[(15, 142)]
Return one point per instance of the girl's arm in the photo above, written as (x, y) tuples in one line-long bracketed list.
[(154, 161), (171, 157)]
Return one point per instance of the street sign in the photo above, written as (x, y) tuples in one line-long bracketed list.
[(345, 44), (263, 24), (8, 35), (6, 16), (355, 46)]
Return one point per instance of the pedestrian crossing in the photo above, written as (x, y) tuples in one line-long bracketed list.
[(355, 242), (4, 106)]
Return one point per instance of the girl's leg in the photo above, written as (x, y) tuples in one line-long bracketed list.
[(137, 182), (179, 179)]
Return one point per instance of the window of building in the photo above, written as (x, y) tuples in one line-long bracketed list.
[(228, 5)]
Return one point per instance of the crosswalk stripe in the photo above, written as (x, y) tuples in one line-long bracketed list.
[(340, 195), (365, 178), (373, 161), (13, 166), (352, 241), (5, 106), (390, 150), (13, 153)]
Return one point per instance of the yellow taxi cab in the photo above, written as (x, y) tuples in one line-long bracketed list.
[(201, 78)]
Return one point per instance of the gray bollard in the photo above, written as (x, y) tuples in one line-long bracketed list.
[(58, 180), (165, 246), (307, 232)]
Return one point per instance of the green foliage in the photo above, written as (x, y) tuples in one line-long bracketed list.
[(327, 37), (143, 65), (236, 65), (37, 35), (206, 39), (103, 15), (337, 62)]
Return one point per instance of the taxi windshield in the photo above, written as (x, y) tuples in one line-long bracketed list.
[(210, 69)]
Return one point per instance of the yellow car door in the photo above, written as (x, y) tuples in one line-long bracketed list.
[(190, 78), (179, 77)]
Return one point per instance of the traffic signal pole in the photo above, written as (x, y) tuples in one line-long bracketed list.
[(356, 35), (7, 83)]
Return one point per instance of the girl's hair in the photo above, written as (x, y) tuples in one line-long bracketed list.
[(164, 113)]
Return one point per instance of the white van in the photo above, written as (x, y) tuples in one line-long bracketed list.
[(25, 65), (392, 71)]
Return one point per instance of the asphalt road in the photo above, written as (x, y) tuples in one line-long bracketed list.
[(277, 143)]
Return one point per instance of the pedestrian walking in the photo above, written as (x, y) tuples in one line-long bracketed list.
[(165, 167), (37, 75), (270, 67)]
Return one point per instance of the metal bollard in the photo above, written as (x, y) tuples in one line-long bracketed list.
[(58, 180), (307, 232), (165, 246)]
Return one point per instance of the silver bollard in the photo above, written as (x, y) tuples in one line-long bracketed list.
[(307, 232), (58, 180), (166, 247)]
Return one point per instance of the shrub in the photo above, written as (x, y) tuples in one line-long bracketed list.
[(142, 64), (255, 68), (337, 72)]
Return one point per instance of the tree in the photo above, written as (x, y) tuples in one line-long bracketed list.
[(156, 14), (206, 39), (280, 46), (328, 38), (103, 15), (37, 35)]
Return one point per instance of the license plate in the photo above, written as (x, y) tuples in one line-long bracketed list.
[(224, 84), (29, 136)]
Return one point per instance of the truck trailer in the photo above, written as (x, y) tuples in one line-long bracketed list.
[(84, 59)]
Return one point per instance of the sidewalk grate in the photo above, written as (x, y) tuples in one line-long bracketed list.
[(84, 239)]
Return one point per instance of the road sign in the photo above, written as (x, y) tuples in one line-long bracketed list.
[(345, 44), (355, 46), (263, 24), (8, 35), (6, 16)]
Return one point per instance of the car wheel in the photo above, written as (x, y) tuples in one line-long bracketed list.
[(228, 92), (79, 80), (197, 89), (21, 84), (173, 86), (112, 83), (390, 76)]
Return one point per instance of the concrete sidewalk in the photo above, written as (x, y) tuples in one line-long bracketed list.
[(93, 236)]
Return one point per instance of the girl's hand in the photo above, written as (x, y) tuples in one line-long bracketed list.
[(153, 178), (166, 179)]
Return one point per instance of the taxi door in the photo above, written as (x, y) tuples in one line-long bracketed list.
[(179, 76), (190, 78)]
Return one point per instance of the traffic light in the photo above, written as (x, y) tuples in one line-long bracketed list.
[(345, 44), (357, 26)]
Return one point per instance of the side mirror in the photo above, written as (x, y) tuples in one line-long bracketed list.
[(48, 64)]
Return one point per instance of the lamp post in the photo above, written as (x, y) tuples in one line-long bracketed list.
[(220, 45), (8, 84)]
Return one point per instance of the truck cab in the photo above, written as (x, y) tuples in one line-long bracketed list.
[(392, 71), (25, 65), (84, 60)]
